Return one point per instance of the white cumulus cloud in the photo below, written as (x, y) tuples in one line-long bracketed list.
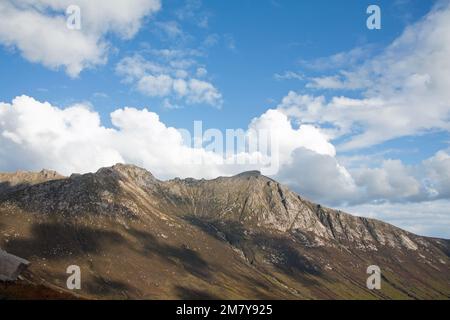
[(36, 135), (171, 75), (37, 29), (405, 89)]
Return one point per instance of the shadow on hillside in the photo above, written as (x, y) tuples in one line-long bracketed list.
[(278, 249), (100, 286), (288, 259), (6, 188), (229, 231), (185, 293), (446, 247), (188, 258), (73, 196), (58, 241), (54, 241)]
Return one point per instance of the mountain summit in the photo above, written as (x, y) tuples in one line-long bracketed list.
[(245, 236)]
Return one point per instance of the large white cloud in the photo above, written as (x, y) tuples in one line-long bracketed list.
[(319, 177), (437, 174), (37, 28), (35, 135), (405, 89), (289, 139), (323, 178), (393, 181)]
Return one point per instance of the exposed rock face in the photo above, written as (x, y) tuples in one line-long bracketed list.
[(258, 201), (204, 233), (11, 266), (21, 179)]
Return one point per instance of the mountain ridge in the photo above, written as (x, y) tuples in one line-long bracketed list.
[(269, 229)]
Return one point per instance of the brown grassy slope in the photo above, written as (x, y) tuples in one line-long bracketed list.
[(245, 237)]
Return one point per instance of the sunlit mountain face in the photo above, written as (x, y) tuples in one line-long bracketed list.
[(240, 237), (193, 149)]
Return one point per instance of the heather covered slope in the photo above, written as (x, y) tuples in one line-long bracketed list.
[(246, 236)]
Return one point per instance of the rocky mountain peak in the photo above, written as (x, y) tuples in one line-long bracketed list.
[(246, 174), (187, 228), (50, 174), (14, 181), (131, 173), (249, 199), (30, 177)]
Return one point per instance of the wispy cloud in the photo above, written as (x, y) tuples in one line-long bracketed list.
[(404, 89), (339, 60), (172, 75), (288, 75)]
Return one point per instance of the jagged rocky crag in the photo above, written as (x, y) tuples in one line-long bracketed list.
[(245, 236)]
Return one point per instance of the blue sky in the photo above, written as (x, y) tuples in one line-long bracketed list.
[(269, 40), (364, 110)]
